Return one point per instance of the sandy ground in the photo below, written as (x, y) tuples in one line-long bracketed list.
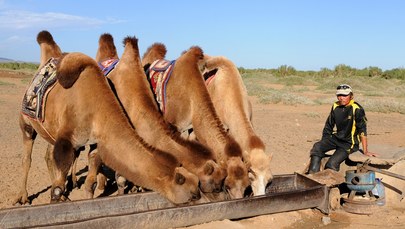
[(288, 131)]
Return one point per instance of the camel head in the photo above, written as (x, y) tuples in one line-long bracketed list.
[(259, 170), (211, 177), (106, 48), (237, 179), (183, 187), (156, 51), (48, 47)]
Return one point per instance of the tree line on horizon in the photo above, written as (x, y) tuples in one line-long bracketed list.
[(340, 70)]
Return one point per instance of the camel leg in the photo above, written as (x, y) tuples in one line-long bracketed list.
[(63, 157), (49, 161), (74, 166), (73, 172), (121, 183), (90, 183), (101, 182), (29, 135)]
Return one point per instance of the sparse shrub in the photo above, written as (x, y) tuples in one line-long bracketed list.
[(325, 72), (343, 70), (19, 66), (396, 73), (285, 70)]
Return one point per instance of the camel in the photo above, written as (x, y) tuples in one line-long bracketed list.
[(51, 49), (230, 99), (78, 112), (187, 103), (130, 84)]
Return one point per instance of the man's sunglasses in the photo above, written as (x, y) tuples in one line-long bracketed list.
[(343, 87)]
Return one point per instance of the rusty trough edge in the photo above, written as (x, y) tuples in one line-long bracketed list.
[(150, 210)]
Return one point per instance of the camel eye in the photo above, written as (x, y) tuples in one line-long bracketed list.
[(180, 179)]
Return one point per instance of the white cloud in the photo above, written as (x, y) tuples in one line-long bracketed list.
[(17, 20), (15, 39)]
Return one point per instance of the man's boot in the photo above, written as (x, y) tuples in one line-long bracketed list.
[(336, 159), (315, 164)]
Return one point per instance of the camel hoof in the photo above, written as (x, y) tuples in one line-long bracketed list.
[(196, 196), (64, 198), (121, 191), (56, 194), (21, 199)]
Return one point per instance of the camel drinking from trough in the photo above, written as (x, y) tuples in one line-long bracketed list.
[(82, 110), (186, 102), (230, 99), (132, 88)]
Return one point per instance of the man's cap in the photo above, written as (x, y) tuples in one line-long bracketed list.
[(343, 89)]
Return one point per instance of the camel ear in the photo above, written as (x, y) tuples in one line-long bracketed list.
[(208, 168), (179, 178)]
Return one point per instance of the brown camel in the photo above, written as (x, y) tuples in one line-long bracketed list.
[(187, 103), (49, 48), (130, 84), (82, 110), (230, 99)]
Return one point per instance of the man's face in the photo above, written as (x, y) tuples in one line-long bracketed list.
[(344, 99)]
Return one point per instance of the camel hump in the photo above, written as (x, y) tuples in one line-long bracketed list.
[(71, 65), (45, 37), (133, 41), (106, 38), (195, 51), (154, 52), (107, 48), (158, 49)]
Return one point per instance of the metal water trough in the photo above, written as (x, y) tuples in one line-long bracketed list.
[(150, 210)]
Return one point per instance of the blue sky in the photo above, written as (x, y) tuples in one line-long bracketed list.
[(305, 34)]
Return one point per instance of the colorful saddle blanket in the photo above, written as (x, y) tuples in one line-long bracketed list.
[(158, 75), (108, 65), (33, 104)]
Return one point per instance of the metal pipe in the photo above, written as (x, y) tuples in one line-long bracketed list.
[(384, 172), (150, 210)]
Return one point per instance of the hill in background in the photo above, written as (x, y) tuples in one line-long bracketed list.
[(2, 59)]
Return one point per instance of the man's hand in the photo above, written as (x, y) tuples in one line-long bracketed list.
[(370, 154)]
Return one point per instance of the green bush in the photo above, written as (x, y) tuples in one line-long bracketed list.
[(396, 73), (19, 66)]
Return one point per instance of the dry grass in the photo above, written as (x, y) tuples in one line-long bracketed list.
[(374, 93)]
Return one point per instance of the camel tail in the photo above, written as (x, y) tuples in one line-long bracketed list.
[(106, 48), (71, 65)]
